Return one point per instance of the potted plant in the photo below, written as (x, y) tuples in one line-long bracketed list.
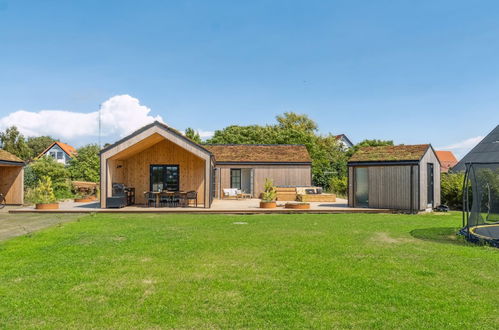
[(44, 195), (268, 196)]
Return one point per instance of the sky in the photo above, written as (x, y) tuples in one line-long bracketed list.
[(409, 71)]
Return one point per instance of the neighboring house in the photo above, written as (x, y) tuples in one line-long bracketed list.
[(157, 157), (11, 178), (486, 151), (246, 166), (447, 160), (405, 177), (342, 138), (61, 152)]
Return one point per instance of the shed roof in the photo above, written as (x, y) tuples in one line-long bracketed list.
[(259, 153), (390, 153), (8, 157)]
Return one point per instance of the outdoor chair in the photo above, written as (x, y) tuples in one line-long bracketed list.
[(150, 198), (165, 199), (191, 195), (178, 199)]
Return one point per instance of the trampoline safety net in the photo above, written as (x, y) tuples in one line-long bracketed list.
[(481, 201)]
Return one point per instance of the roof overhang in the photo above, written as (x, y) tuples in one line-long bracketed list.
[(11, 163), (263, 163), (384, 163)]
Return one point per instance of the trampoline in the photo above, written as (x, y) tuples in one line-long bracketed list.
[(481, 203)]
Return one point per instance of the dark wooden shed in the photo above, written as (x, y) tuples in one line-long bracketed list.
[(405, 177)]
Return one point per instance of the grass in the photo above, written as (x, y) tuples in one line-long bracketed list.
[(257, 271)]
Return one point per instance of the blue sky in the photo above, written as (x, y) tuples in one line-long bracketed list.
[(411, 71)]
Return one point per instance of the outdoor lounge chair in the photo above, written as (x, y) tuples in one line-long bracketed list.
[(232, 193)]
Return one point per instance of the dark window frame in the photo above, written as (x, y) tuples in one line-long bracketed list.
[(165, 184), (232, 178)]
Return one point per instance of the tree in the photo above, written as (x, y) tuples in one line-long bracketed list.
[(85, 166), (234, 134), (13, 141), (369, 143), (38, 144), (291, 120), (192, 134)]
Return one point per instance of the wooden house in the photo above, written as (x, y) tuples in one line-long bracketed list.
[(11, 178), (158, 158), (405, 177)]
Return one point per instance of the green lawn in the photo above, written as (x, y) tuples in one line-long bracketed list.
[(257, 271)]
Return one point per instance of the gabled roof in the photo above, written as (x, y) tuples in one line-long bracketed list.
[(69, 150), (160, 126), (447, 159), (259, 153), (390, 153), (7, 157), (484, 152)]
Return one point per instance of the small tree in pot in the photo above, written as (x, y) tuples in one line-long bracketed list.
[(43, 195), (269, 195)]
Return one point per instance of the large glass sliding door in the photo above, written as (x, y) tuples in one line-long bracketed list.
[(164, 177), (361, 187)]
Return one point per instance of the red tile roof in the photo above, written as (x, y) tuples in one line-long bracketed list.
[(447, 159), (8, 157), (390, 153), (259, 153), (71, 151)]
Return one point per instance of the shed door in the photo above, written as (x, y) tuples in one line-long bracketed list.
[(361, 187)]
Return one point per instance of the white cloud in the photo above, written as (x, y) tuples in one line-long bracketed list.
[(463, 147), (120, 115)]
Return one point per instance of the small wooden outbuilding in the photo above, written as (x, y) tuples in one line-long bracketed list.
[(405, 177), (11, 178)]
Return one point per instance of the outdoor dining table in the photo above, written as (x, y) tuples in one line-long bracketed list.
[(171, 193)]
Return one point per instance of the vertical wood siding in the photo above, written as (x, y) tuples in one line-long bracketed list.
[(281, 175), (390, 187), (12, 184)]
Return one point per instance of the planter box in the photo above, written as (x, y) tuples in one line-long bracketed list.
[(317, 198), (297, 206), (268, 205), (47, 206), (85, 199)]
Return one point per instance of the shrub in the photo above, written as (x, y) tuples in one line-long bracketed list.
[(43, 193), (339, 185), (452, 190), (269, 193)]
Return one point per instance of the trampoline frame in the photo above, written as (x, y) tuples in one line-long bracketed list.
[(467, 230)]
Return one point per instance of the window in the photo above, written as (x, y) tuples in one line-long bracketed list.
[(235, 178), (60, 155), (53, 154), (164, 177), (430, 183)]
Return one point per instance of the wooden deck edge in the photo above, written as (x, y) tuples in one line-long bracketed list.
[(263, 211)]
